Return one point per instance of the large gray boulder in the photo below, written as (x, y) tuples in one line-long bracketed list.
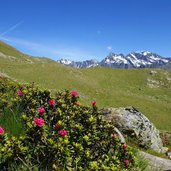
[(129, 120)]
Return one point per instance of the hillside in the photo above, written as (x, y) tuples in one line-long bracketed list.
[(149, 90)]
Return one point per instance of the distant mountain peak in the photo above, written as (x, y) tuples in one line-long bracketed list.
[(84, 64)]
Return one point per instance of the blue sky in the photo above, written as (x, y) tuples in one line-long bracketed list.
[(86, 29)]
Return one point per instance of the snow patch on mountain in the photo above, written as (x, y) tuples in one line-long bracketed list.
[(65, 61), (114, 58)]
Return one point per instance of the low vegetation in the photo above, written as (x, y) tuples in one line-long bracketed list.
[(41, 131)]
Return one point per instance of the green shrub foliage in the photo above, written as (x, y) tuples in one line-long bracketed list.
[(58, 133)]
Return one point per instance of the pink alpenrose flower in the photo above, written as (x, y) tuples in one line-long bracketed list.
[(19, 92), (41, 110), (1, 130), (63, 133), (52, 102), (74, 93), (124, 146), (93, 103), (39, 122), (126, 162)]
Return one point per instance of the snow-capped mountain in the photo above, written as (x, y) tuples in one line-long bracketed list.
[(65, 62), (84, 64), (146, 59), (115, 61), (133, 60)]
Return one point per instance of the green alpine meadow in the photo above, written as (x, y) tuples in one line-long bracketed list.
[(149, 90)]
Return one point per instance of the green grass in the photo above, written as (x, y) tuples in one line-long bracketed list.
[(109, 87), (8, 50), (10, 116), (11, 119)]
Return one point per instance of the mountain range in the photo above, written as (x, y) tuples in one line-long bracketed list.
[(143, 59)]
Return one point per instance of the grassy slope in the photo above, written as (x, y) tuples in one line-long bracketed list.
[(109, 87), (8, 50)]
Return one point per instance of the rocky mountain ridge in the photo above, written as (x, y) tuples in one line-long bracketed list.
[(143, 59)]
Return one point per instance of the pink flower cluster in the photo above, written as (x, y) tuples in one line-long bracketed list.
[(41, 110), (39, 122), (126, 162), (93, 103), (1, 130), (52, 102), (74, 93), (63, 133), (19, 92)]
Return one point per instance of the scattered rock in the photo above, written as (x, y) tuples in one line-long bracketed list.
[(129, 120), (153, 83), (3, 75), (168, 78), (153, 72), (2, 55), (156, 163)]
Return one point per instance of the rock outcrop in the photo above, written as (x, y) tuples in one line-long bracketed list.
[(130, 121), (156, 163)]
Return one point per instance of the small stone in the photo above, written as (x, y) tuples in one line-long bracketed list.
[(168, 153)]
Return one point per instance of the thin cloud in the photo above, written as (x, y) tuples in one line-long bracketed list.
[(22, 42), (56, 52), (11, 28)]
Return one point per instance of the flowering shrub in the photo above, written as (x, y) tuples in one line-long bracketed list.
[(61, 135)]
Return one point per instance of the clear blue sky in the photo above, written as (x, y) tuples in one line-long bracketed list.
[(85, 29)]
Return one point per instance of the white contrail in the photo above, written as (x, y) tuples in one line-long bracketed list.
[(11, 28)]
